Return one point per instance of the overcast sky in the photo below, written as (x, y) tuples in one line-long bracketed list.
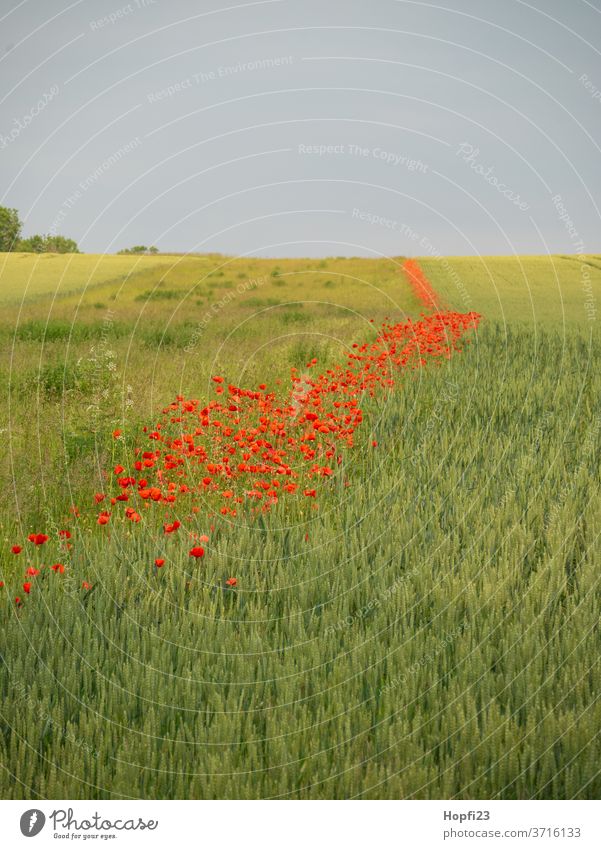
[(304, 127)]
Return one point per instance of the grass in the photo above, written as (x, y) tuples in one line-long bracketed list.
[(431, 631)]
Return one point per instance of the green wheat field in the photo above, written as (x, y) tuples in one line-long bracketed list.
[(432, 631)]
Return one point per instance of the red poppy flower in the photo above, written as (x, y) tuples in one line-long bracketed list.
[(18, 602), (27, 587), (98, 497), (231, 582), (86, 586), (16, 549), (38, 539), (249, 446), (159, 562), (197, 551), (116, 434), (58, 567), (32, 571), (103, 519), (65, 534)]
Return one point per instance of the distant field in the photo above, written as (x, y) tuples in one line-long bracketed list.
[(530, 289), (176, 318), (27, 276), (424, 625), (547, 290)]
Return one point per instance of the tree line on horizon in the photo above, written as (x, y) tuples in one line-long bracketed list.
[(11, 228)]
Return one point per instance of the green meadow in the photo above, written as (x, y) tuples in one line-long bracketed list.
[(432, 631)]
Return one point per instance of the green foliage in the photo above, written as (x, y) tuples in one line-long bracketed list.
[(139, 249), (48, 244), (57, 330), (160, 295), (263, 302), (33, 244), (10, 228), (159, 337), (58, 380)]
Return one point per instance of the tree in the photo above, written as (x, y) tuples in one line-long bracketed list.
[(61, 245), (139, 249), (10, 228), (33, 244), (48, 244)]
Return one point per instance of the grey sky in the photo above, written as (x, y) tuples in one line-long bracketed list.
[(452, 128)]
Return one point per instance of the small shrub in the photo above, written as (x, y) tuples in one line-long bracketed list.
[(160, 295)]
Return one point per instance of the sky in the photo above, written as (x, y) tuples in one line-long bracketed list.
[(304, 127)]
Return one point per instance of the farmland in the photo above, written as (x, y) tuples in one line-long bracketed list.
[(425, 626)]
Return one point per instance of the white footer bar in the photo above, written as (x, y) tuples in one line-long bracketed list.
[(306, 825)]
